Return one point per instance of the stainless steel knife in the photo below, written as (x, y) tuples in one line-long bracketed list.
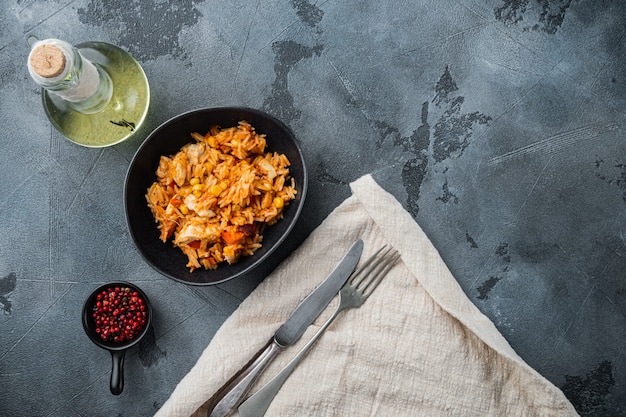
[(231, 394)]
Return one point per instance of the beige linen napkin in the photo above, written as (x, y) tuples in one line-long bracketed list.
[(417, 347)]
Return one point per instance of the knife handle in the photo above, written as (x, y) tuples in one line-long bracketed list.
[(231, 394)]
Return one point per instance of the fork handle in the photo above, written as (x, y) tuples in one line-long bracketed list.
[(257, 404), (229, 396)]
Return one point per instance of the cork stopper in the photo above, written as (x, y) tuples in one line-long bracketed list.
[(47, 60)]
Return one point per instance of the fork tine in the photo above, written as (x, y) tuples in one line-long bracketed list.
[(374, 272), (357, 276), (380, 272)]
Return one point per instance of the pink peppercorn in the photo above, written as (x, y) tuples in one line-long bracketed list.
[(119, 314)]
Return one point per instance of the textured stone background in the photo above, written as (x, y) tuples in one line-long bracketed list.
[(498, 124)]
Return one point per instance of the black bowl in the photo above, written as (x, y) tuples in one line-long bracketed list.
[(167, 139)]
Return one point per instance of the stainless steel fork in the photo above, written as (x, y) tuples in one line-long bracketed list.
[(359, 287)]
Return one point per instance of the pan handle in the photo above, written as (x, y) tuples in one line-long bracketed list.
[(117, 371)]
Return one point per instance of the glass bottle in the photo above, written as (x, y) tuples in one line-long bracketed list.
[(94, 93)]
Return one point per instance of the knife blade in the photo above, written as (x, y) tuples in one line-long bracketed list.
[(231, 394)]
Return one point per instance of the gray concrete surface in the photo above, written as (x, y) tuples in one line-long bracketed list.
[(498, 124)]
